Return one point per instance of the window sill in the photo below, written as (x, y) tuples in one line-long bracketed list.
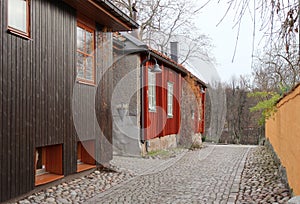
[(18, 33), (170, 116), (84, 167), (86, 82), (46, 178), (152, 110)]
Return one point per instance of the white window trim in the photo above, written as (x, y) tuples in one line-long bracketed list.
[(170, 94), (151, 91)]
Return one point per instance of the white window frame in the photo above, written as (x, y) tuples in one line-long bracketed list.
[(170, 86), (151, 91)]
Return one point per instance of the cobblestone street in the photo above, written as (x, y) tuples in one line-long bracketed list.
[(213, 174), (209, 175)]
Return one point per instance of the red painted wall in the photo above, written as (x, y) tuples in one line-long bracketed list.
[(158, 124)]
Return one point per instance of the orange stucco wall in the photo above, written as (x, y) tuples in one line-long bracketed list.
[(283, 131)]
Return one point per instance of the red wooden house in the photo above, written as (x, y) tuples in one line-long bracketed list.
[(169, 105)]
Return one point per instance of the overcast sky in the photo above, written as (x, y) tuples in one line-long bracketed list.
[(224, 38)]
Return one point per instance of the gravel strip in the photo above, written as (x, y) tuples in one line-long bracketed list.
[(260, 181), (78, 190)]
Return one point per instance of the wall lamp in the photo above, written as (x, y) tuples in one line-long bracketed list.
[(202, 89), (156, 68)]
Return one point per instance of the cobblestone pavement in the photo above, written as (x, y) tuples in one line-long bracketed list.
[(141, 166), (260, 181), (214, 174), (77, 190), (209, 175), (80, 189)]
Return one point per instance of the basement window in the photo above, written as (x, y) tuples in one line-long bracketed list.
[(86, 155), (48, 164)]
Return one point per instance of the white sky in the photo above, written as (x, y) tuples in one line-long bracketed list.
[(224, 38)]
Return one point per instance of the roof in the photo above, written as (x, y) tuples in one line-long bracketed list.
[(104, 13), (118, 13), (134, 45), (176, 66), (194, 70)]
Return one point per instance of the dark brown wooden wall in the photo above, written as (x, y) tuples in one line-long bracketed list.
[(37, 89), (37, 78)]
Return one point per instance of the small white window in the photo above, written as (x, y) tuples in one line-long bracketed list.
[(19, 17), (151, 90), (170, 99)]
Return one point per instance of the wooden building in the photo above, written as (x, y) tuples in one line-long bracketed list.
[(53, 89), (159, 100)]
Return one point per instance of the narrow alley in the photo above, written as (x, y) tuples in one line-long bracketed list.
[(213, 174)]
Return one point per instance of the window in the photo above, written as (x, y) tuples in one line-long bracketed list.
[(19, 17), (85, 54), (48, 164), (86, 155), (151, 90), (170, 99)]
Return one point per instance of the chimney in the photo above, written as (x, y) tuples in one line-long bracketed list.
[(134, 12), (174, 51), (134, 32)]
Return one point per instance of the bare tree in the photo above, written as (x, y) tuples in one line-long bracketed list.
[(163, 21), (241, 125), (276, 67), (278, 19)]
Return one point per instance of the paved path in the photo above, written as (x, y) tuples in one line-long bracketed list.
[(209, 175), (141, 166)]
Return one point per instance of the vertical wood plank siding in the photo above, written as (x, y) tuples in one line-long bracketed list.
[(37, 78), (202, 125), (2, 146), (103, 98), (154, 120)]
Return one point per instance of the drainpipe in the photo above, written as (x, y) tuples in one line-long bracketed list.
[(142, 134)]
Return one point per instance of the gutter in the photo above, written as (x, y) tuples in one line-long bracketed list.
[(119, 13)]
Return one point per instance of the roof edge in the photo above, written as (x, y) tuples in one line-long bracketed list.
[(118, 12)]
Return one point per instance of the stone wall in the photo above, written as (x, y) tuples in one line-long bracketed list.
[(190, 110), (160, 143)]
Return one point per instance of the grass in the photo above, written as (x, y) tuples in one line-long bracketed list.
[(158, 153), (164, 153)]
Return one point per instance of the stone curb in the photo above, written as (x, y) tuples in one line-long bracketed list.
[(234, 189)]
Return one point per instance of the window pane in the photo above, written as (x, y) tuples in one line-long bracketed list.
[(89, 69), (17, 14), (170, 99), (151, 90), (80, 39), (89, 42), (85, 48), (80, 65)]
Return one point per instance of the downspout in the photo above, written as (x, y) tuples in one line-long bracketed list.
[(142, 133)]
